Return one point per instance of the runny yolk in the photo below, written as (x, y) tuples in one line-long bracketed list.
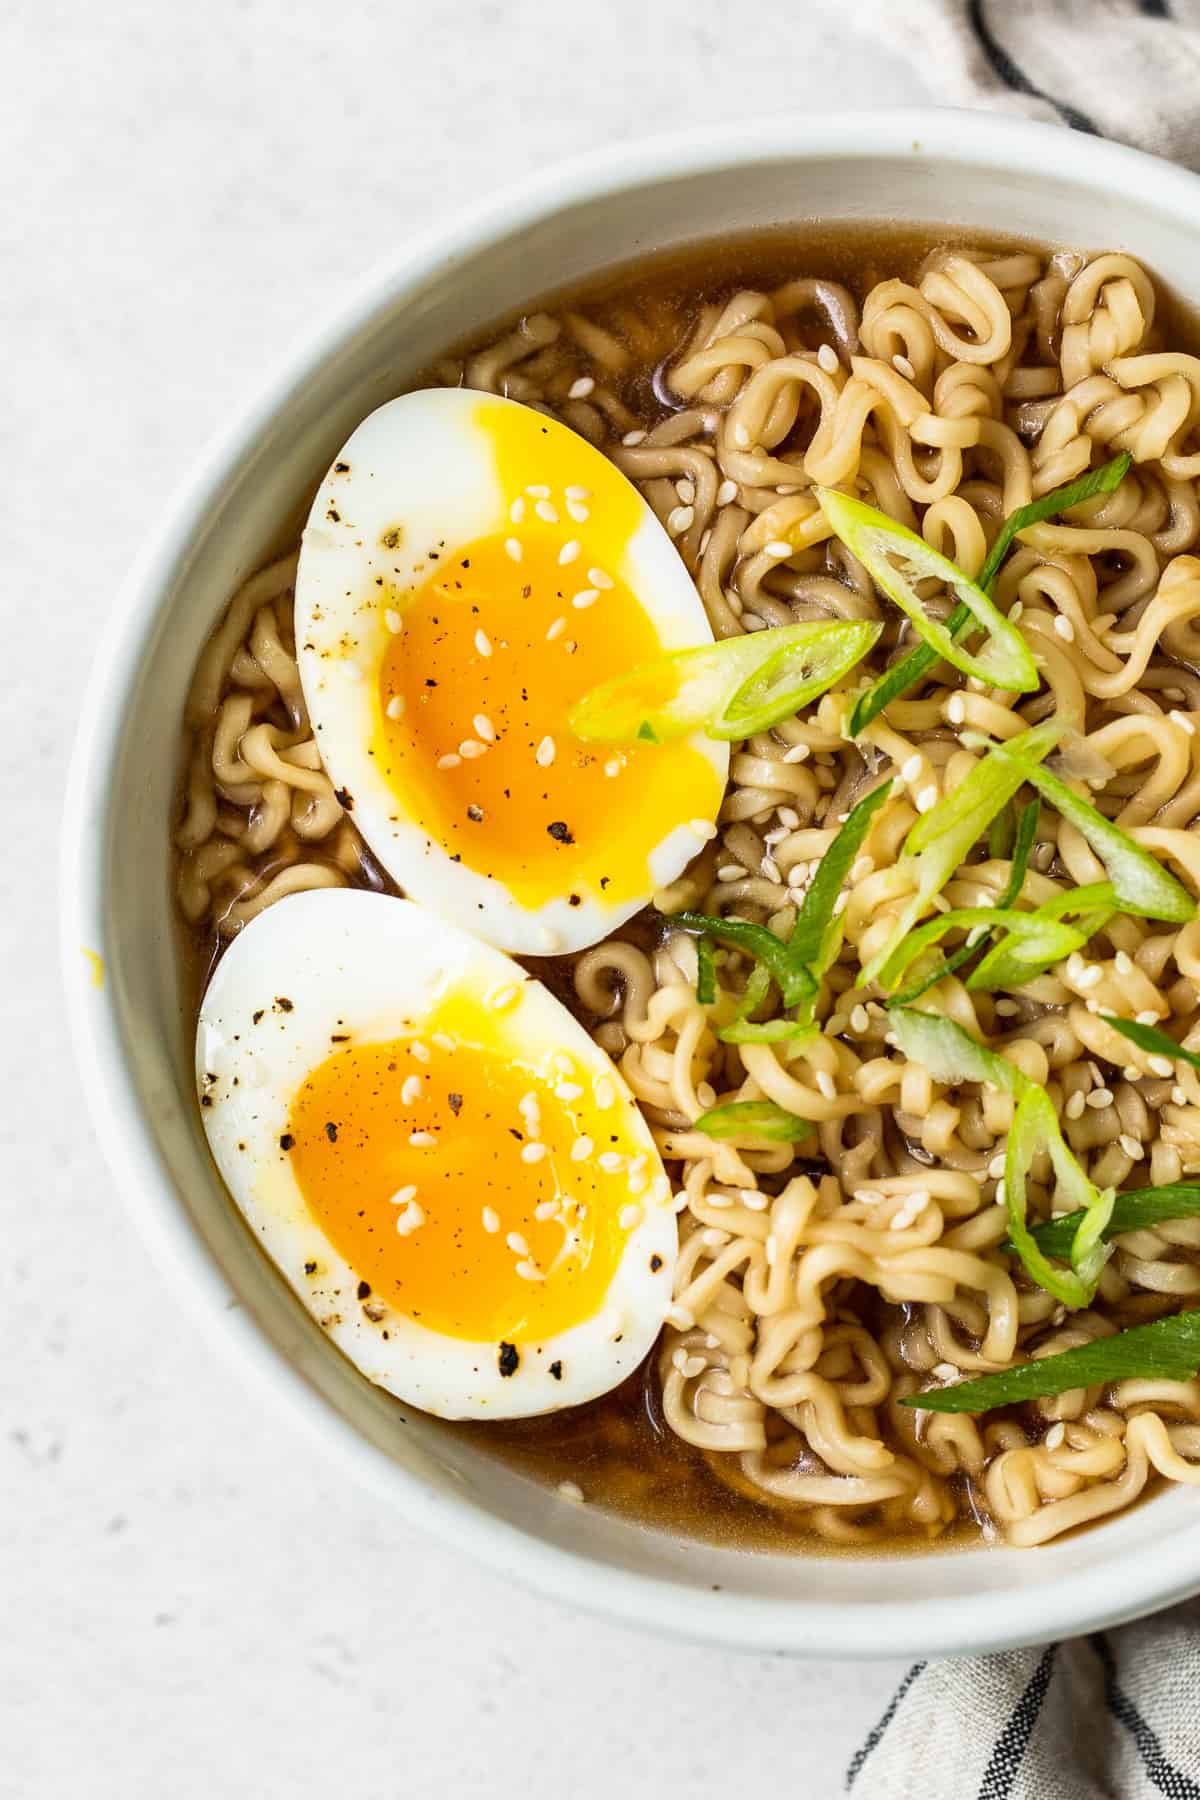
[(462, 1185), (495, 648)]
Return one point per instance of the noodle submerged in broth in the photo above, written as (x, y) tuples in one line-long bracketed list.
[(823, 1282)]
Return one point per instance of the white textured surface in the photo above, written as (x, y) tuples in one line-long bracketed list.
[(193, 1606)]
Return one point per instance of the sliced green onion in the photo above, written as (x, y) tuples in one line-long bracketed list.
[(1000, 835), (1153, 1041), (1023, 953), (940, 840), (769, 1031), (753, 1119), (816, 935), (1138, 1210), (911, 668), (706, 972), (1034, 1129), (1028, 940), (797, 966), (896, 559), (952, 1055), (1140, 882), (730, 689), (1167, 1350)]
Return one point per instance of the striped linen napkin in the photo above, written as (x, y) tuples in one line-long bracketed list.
[(1113, 1716)]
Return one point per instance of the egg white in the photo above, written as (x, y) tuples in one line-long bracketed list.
[(350, 962), (418, 475)]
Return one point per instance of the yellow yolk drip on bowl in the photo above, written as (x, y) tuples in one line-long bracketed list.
[(463, 1181)]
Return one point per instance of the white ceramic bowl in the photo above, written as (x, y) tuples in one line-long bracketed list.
[(977, 170)]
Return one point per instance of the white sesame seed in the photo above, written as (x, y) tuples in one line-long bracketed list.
[(741, 436), (1056, 1436), (576, 492), (393, 621), (726, 492), (578, 511), (538, 490), (483, 643), (419, 1050), (995, 1168), (584, 598), (1161, 1065), (864, 866), (903, 367), (581, 1149), (533, 1153), (730, 872), (1179, 1096), (516, 511), (1131, 1072), (945, 1371), (770, 868), (1064, 628), (528, 1106), (403, 1195), (1074, 1107), (545, 1209), (686, 491), (503, 997), (798, 753), (1182, 720), (1099, 1098), (512, 548), (410, 1219), (703, 828), (860, 1019), (755, 1202), (1123, 963), (1015, 611), (569, 552), (927, 798), (599, 579), (484, 728), (517, 1244), (605, 1093), (826, 1084), (679, 519), (529, 1271), (395, 706), (613, 767), (556, 628), (1131, 1147), (452, 761), (570, 1490), (471, 748), (544, 754), (422, 1140), (1007, 1009), (1089, 975), (910, 768), (569, 1090), (956, 709), (787, 816), (1146, 1018), (611, 1161), (629, 1216), (840, 905), (579, 390), (411, 1089), (827, 359), (779, 548), (491, 1219), (634, 437), (547, 511)]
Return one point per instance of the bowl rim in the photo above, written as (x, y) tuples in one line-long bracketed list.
[(1073, 1602)]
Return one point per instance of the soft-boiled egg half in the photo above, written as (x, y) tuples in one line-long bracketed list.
[(469, 570), (452, 1176)]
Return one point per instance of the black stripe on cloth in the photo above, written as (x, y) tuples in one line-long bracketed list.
[(873, 1736), (1169, 1780), (1154, 9), (1016, 78), (1011, 1745)]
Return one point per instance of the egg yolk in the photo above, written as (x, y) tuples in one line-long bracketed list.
[(494, 649), (461, 1180)]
